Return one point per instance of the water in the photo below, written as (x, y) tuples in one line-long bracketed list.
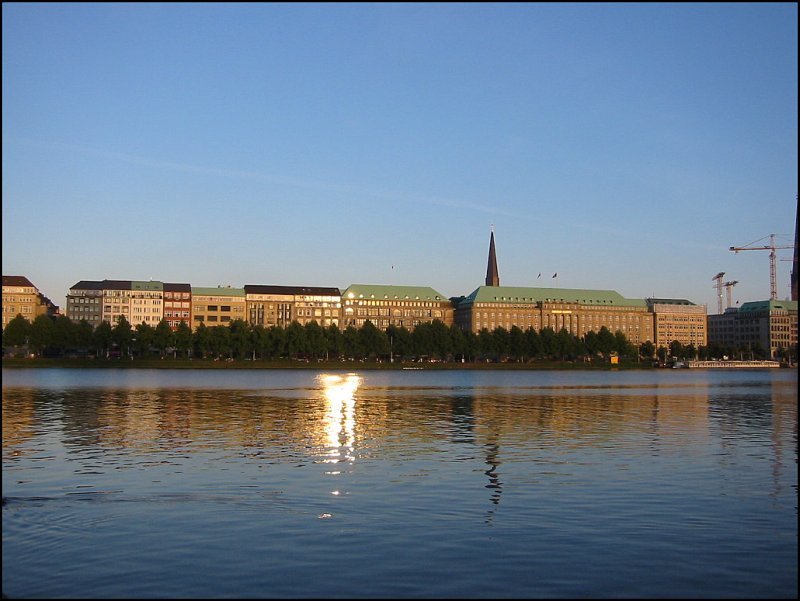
[(273, 483)]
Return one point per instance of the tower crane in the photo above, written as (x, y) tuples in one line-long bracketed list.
[(773, 278), (718, 286), (728, 286)]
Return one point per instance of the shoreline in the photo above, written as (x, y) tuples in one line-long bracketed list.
[(168, 363)]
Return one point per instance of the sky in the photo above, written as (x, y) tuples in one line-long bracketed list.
[(620, 146)]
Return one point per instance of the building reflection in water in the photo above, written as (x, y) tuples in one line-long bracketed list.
[(340, 419)]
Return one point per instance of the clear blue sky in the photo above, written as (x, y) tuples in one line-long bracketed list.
[(622, 146)]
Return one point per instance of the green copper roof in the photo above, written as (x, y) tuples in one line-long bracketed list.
[(511, 294), (219, 291), (380, 292), (768, 305)]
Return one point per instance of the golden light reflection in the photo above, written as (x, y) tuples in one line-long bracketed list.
[(340, 421)]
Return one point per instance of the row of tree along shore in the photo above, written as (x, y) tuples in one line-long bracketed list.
[(60, 337)]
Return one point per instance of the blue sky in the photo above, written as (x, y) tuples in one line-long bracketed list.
[(623, 146)]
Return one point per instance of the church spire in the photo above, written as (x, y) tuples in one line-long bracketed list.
[(492, 277)]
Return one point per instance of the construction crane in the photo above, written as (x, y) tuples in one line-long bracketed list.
[(773, 277), (718, 286), (728, 288)]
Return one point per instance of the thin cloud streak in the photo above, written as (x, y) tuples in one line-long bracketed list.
[(267, 177)]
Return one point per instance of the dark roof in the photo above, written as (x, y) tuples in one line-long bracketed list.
[(104, 285), (177, 287), (312, 290), (17, 280), (668, 301), (87, 285), (117, 285)]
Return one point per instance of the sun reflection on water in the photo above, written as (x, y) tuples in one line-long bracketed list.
[(340, 418)]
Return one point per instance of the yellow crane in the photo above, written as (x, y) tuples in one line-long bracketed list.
[(772, 247)]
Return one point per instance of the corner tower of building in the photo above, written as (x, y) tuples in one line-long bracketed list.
[(492, 277)]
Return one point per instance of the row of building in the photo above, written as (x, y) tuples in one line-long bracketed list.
[(768, 325)]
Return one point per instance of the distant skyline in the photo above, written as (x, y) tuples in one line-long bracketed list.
[(625, 146)]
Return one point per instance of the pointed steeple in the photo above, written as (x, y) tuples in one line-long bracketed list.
[(492, 277), (794, 274)]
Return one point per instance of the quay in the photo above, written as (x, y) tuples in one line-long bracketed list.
[(733, 364)]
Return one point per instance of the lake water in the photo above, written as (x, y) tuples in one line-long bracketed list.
[(491, 484)]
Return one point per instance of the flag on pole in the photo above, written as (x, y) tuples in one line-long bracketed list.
[(555, 274)]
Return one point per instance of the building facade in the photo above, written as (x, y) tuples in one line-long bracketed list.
[(21, 297), (678, 320), (281, 305), (401, 306), (577, 311), (769, 326), (137, 301), (85, 302), (177, 304), (217, 306)]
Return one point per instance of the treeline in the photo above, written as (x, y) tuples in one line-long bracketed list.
[(61, 337)]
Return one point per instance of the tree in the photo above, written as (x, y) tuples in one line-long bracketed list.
[(201, 340), (41, 334), (470, 345), (333, 341), (400, 342), (458, 342), (676, 349), (564, 345), (533, 344), (183, 338), (502, 342), (440, 339), (315, 340), (220, 341), (486, 344), (143, 339), (351, 343), (547, 337), (516, 339), (241, 339), (422, 340), (606, 341), (591, 341), (623, 346), (647, 349), (122, 335), (83, 335), (17, 332), (64, 330), (277, 342), (102, 338), (372, 341), (295, 340), (260, 339), (163, 338)]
